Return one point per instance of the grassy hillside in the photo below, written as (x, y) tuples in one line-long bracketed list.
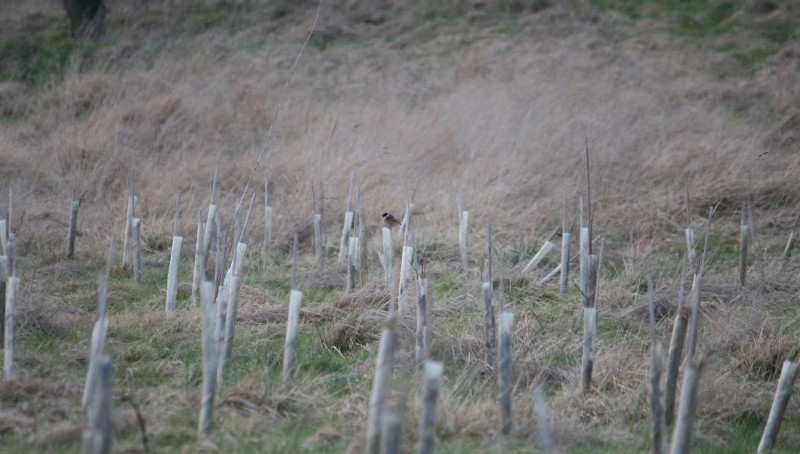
[(483, 104)]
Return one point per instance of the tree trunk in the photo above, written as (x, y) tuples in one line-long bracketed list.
[(87, 18)]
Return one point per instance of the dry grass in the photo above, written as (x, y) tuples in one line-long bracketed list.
[(495, 119)]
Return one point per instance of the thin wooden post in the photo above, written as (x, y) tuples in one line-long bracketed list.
[(126, 242), (199, 259), (234, 285), (137, 250), (363, 240), (352, 261), (683, 431), (462, 238), (98, 437), (172, 276), (490, 330), (12, 286), (210, 356), (97, 343), (540, 255), (427, 429), (566, 237), (267, 226), (506, 323), (381, 384), (318, 241), (391, 430), (388, 256), (421, 349), (295, 247), (3, 237), (73, 226), (584, 263), (343, 244), (3, 279), (657, 429), (789, 374), (405, 274), (175, 257), (295, 299), (589, 324), (543, 420), (744, 240)]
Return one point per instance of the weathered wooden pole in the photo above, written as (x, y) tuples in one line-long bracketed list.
[(12, 286), (290, 347), (489, 324), (352, 262), (267, 226), (381, 384), (540, 255), (127, 236), (3, 279), (137, 250), (427, 428), (198, 274), (421, 348), (506, 324), (98, 438), (566, 237), (97, 343), (405, 274), (462, 238), (174, 259), (543, 420), (391, 431), (657, 428), (72, 233), (789, 374), (744, 240), (210, 357)]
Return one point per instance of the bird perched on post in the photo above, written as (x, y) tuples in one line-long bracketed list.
[(390, 221)]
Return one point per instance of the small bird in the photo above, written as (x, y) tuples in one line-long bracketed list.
[(390, 221)]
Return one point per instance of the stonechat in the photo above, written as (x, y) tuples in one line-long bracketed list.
[(390, 221)]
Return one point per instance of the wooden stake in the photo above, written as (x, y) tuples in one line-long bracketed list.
[(126, 246), (172, 275), (295, 247), (566, 237), (462, 238), (3, 279), (97, 343), (348, 223), (405, 274), (657, 430), (506, 323), (73, 226), (12, 286), (381, 384), (489, 254), (291, 338), (421, 348), (490, 330), (267, 226), (210, 356), (391, 431), (744, 240), (427, 429), (137, 250), (584, 264), (789, 374), (681, 439), (199, 259), (318, 241), (98, 437), (352, 260), (543, 420)]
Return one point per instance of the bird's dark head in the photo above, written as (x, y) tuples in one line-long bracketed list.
[(385, 214)]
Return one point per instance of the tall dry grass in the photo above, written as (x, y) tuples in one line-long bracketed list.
[(499, 120)]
